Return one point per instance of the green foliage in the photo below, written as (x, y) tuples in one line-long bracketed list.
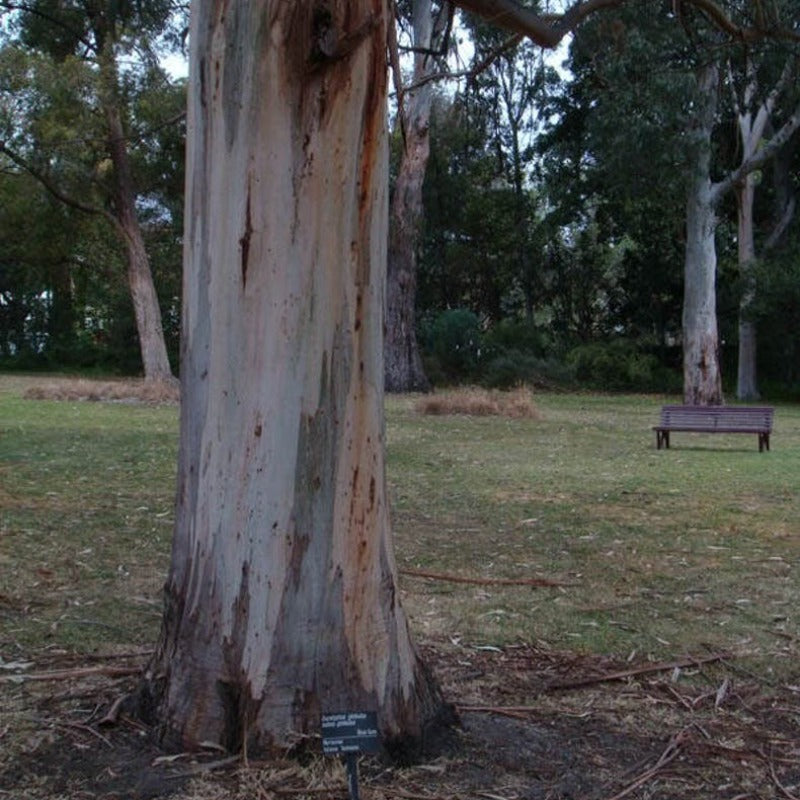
[(452, 341), (457, 349), (517, 351), (35, 306), (62, 273), (514, 368), (619, 366), (777, 313), (523, 335)]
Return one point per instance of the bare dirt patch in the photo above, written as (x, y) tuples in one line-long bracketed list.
[(535, 725)]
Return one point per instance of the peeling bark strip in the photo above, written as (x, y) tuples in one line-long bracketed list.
[(281, 598)]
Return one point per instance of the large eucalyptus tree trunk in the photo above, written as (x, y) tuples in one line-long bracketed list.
[(702, 380), (282, 599), (404, 370)]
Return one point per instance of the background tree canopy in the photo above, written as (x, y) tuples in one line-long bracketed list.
[(553, 227), (91, 125)]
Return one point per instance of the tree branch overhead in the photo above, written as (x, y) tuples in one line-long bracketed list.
[(548, 30), (544, 30)]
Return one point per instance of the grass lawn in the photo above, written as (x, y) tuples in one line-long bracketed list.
[(656, 555), (663, 552)]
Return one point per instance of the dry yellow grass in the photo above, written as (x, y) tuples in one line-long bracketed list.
[(129, 390), (472, 401)]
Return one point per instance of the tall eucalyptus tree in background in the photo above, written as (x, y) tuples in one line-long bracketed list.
[(755, 111), (430, 24), (511, 80), (73, 72), (668, 78), (701, 362)]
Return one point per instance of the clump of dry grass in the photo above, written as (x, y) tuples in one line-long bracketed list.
[(321, 777), (472, 401), (120, 391)]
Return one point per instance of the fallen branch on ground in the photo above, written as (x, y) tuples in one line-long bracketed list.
[(210, 766), (660, 666), (112, 715), (67, 674), (783, 790), (516, 712), (670, 753), (116, 656), (86, 729), (441, 576)]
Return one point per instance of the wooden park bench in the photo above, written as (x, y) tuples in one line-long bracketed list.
[(715, 419)]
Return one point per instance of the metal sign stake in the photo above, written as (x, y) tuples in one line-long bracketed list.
[(351, 760)]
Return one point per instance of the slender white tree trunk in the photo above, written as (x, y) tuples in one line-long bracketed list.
[(282, 599), (702, 379), (404, 370), (746, 378), (146, 309), (752, 119), (753, 116)]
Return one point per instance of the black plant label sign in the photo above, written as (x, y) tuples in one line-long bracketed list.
[(350, 732)]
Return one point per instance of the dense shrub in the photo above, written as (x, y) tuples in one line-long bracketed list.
[(452, 341), (515, 352), (513, 368), (518, 336), (620, 366)]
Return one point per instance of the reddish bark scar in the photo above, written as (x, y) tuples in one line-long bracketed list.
[(244, 242)]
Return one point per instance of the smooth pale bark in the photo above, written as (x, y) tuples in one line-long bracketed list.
[(752, 118), (404, 370), (702, 379), (282, 599), (751, 123), (147, 311), (746, 377)]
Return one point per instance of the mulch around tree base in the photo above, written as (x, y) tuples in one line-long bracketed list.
[(708, 730)]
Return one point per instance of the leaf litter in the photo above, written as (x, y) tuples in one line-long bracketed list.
[(535, 724)]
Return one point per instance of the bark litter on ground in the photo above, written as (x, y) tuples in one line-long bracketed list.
[(701, 730)]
